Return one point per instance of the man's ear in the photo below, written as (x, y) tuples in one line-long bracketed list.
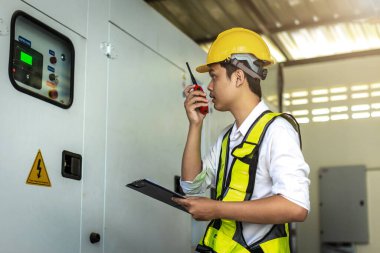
[(239, 77)]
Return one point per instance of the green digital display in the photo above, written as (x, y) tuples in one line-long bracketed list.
[(28, 59)]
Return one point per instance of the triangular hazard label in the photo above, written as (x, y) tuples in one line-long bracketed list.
[(38, 174)]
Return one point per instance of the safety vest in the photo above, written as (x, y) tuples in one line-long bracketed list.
[(226, 236)]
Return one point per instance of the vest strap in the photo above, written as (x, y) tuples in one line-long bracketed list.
[(226, 236)]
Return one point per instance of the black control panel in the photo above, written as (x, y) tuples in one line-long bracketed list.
[(27, 65), (41, 60)]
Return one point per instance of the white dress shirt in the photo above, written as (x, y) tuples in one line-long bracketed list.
[(281, 167)]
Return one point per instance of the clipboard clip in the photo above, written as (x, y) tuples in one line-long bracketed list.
[(138, 184)]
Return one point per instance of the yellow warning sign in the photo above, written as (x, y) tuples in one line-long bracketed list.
[(38, 174)]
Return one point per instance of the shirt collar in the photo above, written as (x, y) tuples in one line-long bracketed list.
[(253, 115)]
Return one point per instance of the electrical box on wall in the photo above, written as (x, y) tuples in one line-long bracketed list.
[(343, 204), (41, 61)]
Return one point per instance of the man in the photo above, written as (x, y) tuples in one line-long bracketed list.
[(256, 166)]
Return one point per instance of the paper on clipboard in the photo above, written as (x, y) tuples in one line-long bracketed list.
[(156, 191)]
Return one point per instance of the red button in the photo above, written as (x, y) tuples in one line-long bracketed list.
[(53, 60), (53, 94)]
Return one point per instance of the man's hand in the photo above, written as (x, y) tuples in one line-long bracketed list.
[(191, 160), (271, 210), (201, 208), (194, 100)]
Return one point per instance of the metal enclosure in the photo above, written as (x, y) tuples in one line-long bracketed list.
[(126, 122), (343, 204), (38, 218)]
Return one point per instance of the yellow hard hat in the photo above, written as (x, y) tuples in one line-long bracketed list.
[(236, 41)]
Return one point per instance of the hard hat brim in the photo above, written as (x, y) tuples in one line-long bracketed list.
[(202, 69)]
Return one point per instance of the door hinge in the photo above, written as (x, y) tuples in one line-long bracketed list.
[(108, 50), (4, 29)]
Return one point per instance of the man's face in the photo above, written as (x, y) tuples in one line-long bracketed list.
[(222, 89)]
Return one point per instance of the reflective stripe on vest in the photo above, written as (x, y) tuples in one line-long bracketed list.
[(226, 236)]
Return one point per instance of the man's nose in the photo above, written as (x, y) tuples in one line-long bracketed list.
[(210, 85)]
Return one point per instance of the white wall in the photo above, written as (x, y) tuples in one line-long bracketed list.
[(336, 143)]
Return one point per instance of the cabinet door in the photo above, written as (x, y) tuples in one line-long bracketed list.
[(146, 132), (38, 218)]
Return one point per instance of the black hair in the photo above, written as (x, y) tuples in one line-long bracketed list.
[(254, 83)]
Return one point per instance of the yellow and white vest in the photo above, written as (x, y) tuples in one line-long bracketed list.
[(226, 236)]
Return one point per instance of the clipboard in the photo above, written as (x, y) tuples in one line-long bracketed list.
[(157, 192)]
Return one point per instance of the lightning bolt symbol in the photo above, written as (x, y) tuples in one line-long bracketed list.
[(39, 169)]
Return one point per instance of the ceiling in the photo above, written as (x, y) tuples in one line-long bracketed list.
[(296, 30)]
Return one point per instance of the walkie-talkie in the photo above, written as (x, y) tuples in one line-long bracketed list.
[(202, 109)]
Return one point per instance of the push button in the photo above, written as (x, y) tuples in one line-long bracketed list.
[(53, 60), (52, 77), (94, 237)]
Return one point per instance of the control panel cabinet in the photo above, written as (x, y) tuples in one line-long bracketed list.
[(41, 61)]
